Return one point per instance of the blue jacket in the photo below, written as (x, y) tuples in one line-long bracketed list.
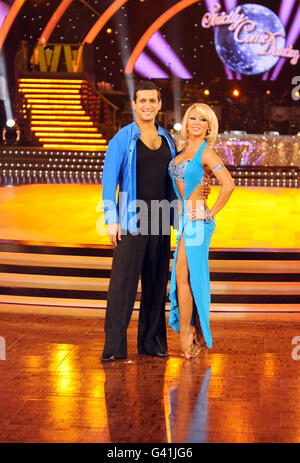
[(120, 170)]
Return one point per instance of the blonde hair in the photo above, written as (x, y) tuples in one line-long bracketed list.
[(207, 112)]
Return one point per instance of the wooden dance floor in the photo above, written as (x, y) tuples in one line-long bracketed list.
[(255, 217), (54, 389)]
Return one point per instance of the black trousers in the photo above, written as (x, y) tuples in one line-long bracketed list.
[(146, 256)]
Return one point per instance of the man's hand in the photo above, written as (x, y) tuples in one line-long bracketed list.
[(205, 185), (114, 233)]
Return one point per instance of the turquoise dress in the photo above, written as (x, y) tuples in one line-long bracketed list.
[(197, 236)]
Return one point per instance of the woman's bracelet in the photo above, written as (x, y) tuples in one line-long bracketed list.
[(209, 217)]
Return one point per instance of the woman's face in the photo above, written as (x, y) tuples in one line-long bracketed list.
[(197, 125)]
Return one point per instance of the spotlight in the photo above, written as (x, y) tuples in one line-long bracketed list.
[(268, 92), (206, 92), (297, 94), (10, 123), (236, 92), (177, 126), (108, 30)]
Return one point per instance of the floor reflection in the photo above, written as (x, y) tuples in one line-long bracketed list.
[(135, 411), (157, 402), (188, 418)]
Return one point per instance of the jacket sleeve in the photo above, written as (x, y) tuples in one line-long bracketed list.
[(110, 180)]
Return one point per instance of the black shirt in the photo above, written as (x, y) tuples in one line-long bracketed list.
[(152, 171)]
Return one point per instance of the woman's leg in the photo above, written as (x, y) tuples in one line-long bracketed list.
[(185, 300)]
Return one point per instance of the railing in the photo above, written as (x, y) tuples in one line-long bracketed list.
[(102, 111)]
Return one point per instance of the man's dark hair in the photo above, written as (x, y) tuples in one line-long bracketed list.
[(146, 85)]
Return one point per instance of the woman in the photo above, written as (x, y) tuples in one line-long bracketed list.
[(190, 283)]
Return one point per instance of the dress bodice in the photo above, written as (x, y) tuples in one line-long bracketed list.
[(178, 171), (191, 172)]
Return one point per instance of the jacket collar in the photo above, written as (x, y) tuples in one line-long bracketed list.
[(136, 130)]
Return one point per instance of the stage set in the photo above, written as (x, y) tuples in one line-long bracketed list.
[(66, 87)]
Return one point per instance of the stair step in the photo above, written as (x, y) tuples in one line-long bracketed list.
[(50, 303), (104, 263), (101, 284), (241, 280)]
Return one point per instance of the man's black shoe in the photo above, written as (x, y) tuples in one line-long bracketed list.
[(156, 354), (108, 358), (161, 354)]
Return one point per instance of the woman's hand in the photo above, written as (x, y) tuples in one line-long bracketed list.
[(205, 187), (197, 214)]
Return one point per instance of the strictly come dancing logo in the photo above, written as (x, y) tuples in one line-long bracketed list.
[(250, 39), (296, 89)]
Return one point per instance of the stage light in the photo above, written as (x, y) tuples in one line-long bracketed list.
[(177, 126), (206, 92), (235, 92), (108, 30), (268, 92), (148, 68), (160, 47), (297, 93), (10, 123)]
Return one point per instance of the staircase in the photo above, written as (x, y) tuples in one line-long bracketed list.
[(242, 280), (62, 114)]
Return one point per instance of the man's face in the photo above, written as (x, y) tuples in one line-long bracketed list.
[(146, 105)]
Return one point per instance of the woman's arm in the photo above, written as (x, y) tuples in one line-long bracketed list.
[(212, 160)]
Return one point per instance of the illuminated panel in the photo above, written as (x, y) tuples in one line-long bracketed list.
[(69, 140), (62, 123), (54, 106), (9, 19), (48, 86), (290, 40), (67, 134), (160, 47), (42, 90), (43, 101), (59, 118), (75, 147), (53, 81), (158, 23), (62, 129), (57, 111), (41, 98), (147, 68)]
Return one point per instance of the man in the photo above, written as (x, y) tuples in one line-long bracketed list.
[(137, 161)]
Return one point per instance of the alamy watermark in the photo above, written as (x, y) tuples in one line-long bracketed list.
[(296, 90), (295, 351), (154, 217), (2, 348)]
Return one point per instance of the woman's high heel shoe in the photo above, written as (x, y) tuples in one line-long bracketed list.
[(186, 338), (197, 343)]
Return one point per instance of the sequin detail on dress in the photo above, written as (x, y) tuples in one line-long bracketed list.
[(178, 171)]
